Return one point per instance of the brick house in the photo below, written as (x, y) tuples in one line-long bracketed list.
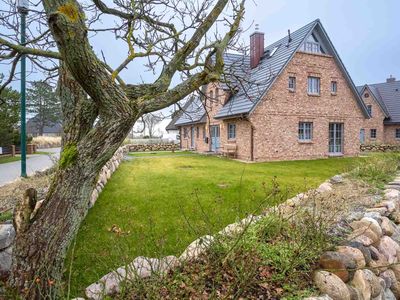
[(383, 103), (290, 100)]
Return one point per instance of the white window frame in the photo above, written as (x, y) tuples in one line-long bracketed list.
[(292, 83), (397, 136), (369, 109), (305, 131), (312, 47), (313, 85), (231, 131), (334, 86), (372, 136)]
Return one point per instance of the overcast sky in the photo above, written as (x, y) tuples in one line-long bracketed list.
[(364, 32)]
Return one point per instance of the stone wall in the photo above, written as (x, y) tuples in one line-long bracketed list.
[(154, 147), (367, 264), (379, 148)]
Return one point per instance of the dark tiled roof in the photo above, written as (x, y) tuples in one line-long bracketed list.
[(387, 95), (261, 78), (376, 95), (172, 125), (194, 112)]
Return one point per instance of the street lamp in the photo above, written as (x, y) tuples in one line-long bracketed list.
[(23, 6)]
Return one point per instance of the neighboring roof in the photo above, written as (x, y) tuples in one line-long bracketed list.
[(193, 113), (387, 94), (32, 127), (261, 78), (376, 96), (172, 125)]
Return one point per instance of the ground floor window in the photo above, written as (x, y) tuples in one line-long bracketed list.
[(231, 131), (305, 131), (185, 132), (373, 133), (197, 132), (397, 133), (204, 132)]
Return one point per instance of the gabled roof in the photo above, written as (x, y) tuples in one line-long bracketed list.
[(261, 78), (172, 125), (193, 113), (377, 97), (388, 94)]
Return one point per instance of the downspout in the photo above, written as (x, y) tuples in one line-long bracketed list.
[(251, 142)]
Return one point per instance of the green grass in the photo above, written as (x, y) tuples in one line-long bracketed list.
[(162, 204), (160, 153), (7, 159)]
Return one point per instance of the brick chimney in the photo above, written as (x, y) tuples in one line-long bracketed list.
[(256, 47), (391, 79)]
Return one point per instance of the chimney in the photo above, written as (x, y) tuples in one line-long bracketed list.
[(391, 79), (256, 47)]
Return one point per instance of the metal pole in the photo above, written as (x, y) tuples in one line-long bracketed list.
[(23, 99)]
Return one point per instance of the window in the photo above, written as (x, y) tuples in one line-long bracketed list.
[(333, 87), (366, 95), (231, 131), (369, 108), (204, 132), (185, 132), (313, 85), (273, 51), (292, 83), (373, 133), (397, 133), (312, 47), (305, 131), (197, 132)]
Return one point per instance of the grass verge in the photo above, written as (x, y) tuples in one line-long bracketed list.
[(7, 159)]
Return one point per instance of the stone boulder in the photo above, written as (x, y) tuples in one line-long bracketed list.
[(5, 262), (331, 285), (338, 264), (389, 248), (324, 187), (196, 248), (379, 262), (7, 235), (355, 253), (367, 283), (388, 227), (336, 179), (365, 251)]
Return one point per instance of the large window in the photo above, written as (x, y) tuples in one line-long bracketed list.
[(369, 108), (373, 133), (313, 85), (397, 133), (333, 87), (305, 131), (292, 83), (231, 131)]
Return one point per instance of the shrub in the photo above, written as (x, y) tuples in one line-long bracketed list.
[(47, 141)]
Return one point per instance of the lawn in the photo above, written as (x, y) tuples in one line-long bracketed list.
[(157, 206), (7, 159), (160, 153)]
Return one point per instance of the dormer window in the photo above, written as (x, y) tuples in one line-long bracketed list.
[(312, 47), (273, 51)]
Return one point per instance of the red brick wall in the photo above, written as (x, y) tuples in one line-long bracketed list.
[(276, 117), (376, 122), (390, 134)]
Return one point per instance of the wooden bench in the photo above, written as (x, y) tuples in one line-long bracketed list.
[(229, 149)]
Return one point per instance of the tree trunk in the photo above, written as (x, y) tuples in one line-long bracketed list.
[(41, 246)]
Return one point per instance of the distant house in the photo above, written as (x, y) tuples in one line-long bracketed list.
[(33, 128), (383, 103), (295, 101)]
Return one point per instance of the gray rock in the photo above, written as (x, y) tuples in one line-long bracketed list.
[(389, 248), (374, 215), (5, 262), (336, 179), (196, 248), (365, 251), (388, 295), (323, 297), (7, 235), (144, 267), (331, 285), (324, 187)]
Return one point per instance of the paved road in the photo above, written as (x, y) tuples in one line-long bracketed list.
[(36, 162)]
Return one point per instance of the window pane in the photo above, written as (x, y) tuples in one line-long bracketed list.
[(305, 131)]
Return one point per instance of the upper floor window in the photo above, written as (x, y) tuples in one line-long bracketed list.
[(313, 85), (366, 95), (231, 131), (369, 109), (305, 131), (312, 47), (397, 133), (292, 83), (334, 87), (373, 133)]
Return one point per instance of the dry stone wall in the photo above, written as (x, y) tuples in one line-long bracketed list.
[(379, 148), (153, 147)]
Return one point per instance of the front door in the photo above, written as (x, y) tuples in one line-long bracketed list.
[(362, 136), (192, 137), (215, 137), (336, 138)]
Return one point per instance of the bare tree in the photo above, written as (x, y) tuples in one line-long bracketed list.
[(184, 39)]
